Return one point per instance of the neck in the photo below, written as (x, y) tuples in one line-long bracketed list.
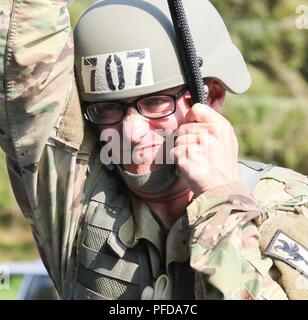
[(162, 190), (170, 204)]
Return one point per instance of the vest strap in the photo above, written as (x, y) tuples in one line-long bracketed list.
[(109, 266)]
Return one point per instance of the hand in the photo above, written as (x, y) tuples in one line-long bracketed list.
[(206, 150)]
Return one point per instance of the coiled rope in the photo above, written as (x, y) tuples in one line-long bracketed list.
[(187, 50)]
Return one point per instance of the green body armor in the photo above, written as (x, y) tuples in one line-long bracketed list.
[(109, 270)]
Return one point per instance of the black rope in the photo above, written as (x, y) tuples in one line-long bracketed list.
[(187, 50)]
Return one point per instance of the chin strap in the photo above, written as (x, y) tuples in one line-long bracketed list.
[(152, 182)]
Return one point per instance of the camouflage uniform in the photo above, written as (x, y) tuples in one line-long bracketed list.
[(53, 171)]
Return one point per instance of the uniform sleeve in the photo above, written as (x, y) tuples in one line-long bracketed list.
[(282, 195), (41, 126), (225, 246)]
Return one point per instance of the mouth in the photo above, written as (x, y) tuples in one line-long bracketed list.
[(137, 148), (146, 154), (143, 147)]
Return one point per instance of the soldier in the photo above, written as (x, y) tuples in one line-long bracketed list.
[(141, 229)]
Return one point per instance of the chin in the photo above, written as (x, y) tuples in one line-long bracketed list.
[(141, 168), (145, 162), (138, 169)]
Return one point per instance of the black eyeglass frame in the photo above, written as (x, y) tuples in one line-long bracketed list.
[(135, 105)]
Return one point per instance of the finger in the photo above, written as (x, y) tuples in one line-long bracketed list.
[(178, 152), (187, 139), (202, 113), (190, 161), (191, 152), (199, 128)]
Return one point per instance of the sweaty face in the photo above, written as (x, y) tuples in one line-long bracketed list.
[(140, 144)]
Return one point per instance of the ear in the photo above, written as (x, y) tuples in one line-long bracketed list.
[(187, 98), (217, 94)]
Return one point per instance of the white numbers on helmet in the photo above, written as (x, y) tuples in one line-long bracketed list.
[(117, 71)]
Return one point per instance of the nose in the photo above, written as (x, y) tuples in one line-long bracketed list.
[(135, 126)]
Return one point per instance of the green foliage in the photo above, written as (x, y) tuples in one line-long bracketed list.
[(11, 293), (77, 8), (271, 118), (266, 33), (271, 129)]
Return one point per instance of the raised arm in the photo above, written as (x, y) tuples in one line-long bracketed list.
[(41, 126)]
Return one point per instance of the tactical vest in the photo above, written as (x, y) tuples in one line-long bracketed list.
[(107, 269)]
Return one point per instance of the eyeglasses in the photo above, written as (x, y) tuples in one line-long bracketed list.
[(151, 107)]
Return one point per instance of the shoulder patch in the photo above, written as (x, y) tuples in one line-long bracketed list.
[(289, 251)]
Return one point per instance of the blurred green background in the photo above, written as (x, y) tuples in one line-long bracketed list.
[(270, 119)]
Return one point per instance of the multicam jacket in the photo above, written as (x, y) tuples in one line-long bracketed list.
[(226, 232)]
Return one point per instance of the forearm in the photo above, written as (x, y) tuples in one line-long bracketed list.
[(225, 246), (37, 73)]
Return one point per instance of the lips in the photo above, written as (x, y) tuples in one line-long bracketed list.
[(140, 148), (146, 147)]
